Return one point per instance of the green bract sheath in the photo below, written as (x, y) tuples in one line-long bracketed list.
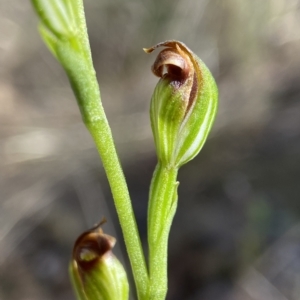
[(183, 105), (96, 273), (58, 22)]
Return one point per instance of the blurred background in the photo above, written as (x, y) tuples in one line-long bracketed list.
[(236, 234)]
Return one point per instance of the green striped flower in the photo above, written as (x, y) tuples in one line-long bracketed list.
[(96, 273), (183, 105)]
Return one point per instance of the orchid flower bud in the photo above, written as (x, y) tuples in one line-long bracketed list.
[(96, 273), (57, 16), (183, 105), (61, 27)]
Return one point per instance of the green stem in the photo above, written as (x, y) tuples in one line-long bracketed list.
[(63, 29), (105, 146), (162, 207), (77, 62), (98, 126)]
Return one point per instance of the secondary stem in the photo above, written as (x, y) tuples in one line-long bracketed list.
[(162, 207)]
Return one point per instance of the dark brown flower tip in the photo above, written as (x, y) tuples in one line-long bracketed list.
[(173, 61), (92, 246)]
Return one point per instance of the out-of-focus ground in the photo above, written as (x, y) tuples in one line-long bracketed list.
[(236, 235)]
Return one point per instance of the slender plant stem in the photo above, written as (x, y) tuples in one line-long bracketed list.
[(162, 207), (102, 136), (76, 59)]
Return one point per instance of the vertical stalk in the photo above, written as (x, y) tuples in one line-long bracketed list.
[(100, 131), (88, 95), (86, 89), (161, 210), (63, 29)]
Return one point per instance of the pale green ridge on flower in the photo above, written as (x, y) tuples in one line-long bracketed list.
[(95, 271)]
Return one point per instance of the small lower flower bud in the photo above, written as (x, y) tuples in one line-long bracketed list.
[(96, 273)]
